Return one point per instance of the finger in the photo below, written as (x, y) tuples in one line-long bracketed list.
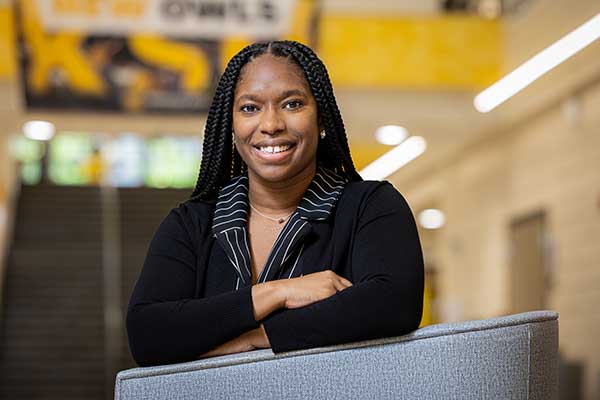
[(343, 280), (208, 354), (346, 282), (339, 286), (232, 346)]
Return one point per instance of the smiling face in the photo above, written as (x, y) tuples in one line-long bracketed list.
[(275, 120)]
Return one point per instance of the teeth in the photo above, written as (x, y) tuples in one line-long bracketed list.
[(274, 149)]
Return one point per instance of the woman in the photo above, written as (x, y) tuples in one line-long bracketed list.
[(281, 245)]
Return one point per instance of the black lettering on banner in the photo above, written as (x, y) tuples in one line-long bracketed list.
[(234, 9), (210, 8), (238, 9), (267, 10), (173, 9)]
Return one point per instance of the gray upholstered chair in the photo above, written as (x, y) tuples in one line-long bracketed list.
[(512, 357)]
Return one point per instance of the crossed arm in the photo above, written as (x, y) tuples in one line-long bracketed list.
[(166, 324), (270, 296)]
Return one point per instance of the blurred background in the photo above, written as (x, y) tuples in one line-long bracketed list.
[(102, 108)]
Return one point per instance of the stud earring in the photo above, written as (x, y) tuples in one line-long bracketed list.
[(323, 134)]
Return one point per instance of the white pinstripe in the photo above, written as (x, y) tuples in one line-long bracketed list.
[(327, 174), (325, 191), (236, 261), (246, 243), (284, 259), (227, 222), (227, 208), (230, 214), (307, 210), (219, 204), (241, 178), (317, 205), (237, 243), (296, 263), (321, 198), (272, 257), (336, 187)]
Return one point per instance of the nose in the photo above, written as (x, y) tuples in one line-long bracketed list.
[(271, 122)]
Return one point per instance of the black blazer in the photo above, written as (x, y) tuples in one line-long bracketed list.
[(193, 294)]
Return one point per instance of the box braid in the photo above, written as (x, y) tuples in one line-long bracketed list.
[(220, 160)]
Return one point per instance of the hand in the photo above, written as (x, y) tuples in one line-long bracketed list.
[(248, 341), (308, 289), (259, 339)]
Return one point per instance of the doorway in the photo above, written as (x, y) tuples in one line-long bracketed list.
[(529, 273)]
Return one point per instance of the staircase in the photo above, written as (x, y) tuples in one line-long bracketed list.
[(53, 333), (141, 210)]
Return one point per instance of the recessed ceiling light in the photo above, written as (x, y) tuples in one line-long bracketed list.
[(394, 159), (39, 130), (432, 218), (391, 135)]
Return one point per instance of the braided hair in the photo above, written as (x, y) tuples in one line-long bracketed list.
[(220, 160)]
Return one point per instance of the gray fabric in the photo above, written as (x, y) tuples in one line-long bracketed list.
[(513, 357), (543, 381)]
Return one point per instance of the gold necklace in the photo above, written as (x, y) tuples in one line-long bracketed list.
[(279, 220)]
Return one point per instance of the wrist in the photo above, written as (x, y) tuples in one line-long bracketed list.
[(260, 338), (279, 290), (268, 297)]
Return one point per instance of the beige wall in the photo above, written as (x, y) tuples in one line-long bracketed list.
[(537, 157), (545, 163)]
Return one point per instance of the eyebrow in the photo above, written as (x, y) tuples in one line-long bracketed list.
[(292, 92), (286, 94)]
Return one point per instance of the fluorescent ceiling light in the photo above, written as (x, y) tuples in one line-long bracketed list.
[(432, 218), (537, 66), (39, 130), (394, 159), (391, 135)]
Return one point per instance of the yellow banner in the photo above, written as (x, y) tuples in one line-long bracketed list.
[(79, 69), (8, 64), (463, 52), (420, 52), (192, 19)]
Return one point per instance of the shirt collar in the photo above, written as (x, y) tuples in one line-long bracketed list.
[(320, 198), (231, 210), (322, 195)]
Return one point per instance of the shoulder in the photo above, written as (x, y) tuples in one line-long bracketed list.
[(188, 219), (373, 193), (369, 199), (368, 188), (195, 210)]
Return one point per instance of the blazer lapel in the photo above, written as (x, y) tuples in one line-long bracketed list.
[(286, 245), (317, 204), (229, 226), (230, 222)]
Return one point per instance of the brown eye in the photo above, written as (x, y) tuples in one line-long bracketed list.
[(248, 108), (290, 105)]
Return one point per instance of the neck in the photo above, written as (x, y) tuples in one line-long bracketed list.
[(276, 198)]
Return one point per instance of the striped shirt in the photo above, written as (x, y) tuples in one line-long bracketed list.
[(230, 220)]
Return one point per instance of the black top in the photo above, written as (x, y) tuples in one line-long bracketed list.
[(194, 291)]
